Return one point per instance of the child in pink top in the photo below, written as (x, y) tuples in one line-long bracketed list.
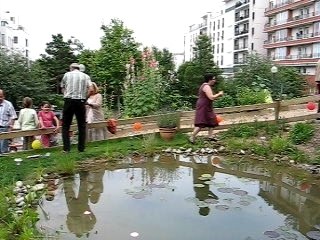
[(47, 118)]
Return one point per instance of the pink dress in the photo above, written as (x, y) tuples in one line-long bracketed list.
[(47, 119)]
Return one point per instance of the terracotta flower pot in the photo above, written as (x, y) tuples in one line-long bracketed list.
[(167, 133)]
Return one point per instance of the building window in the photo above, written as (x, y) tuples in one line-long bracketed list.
[(3, 39), (222, 22), (222, 35), (252, 31), (27, 43), (252, 46), (252, 15), (221, 61), (217, 48), (3, 23), (214, 26), (218, 24), (15, 39), (221, 47), (218, 36)]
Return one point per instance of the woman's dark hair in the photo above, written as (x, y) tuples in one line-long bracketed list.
[(208, 77), (45, 103), (27, 102)]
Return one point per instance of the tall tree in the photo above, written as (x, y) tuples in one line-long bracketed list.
[(165, 60), (117, 48), (59, 55), (18, 80), (190, 74)]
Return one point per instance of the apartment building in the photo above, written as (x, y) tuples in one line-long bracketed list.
[(236, 30), (13, 36), (293, 30)]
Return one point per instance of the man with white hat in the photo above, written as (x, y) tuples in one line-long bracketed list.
[(75, 87)]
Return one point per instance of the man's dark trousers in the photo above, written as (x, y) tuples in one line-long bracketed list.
[(74, 107)]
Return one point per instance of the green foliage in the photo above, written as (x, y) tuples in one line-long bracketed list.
[(260, 150), (241, 131), (190, 74), (237, 144), (287, 81), (280, 145), (165, 61), (224, 101), (301, 133), (18, 80), (247, 96), (168, 120), (117, 48), (57, 59), (65, 165)]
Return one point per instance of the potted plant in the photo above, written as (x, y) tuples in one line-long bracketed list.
[(168, 124)]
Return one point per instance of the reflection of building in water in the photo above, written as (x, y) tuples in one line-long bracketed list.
[(78, 222), (288, 199), (202, 193)]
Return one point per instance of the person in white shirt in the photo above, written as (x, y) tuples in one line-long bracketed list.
[(7, 117), (28, 120)]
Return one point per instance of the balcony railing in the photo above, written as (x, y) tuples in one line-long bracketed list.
[(239, 61), (274, 6), (240, 47), (236, 33), (292, 38), (239, 18), (294, 57), (295, 18), (239, 4)]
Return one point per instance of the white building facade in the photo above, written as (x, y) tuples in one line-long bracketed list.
[(236, 30), (13, 36)]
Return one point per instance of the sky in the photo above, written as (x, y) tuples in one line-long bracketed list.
[(160, 23)]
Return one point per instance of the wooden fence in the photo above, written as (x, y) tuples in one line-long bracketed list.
[(293, 110)]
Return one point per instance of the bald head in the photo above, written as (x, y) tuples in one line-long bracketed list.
[(1, 95)]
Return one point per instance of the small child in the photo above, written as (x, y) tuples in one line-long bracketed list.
[(28, 120), (48, 119)]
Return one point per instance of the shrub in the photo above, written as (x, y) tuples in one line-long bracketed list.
[(224, 101), (280, 145), (301, 133), (241, 131), (169, 120), (247, 96)]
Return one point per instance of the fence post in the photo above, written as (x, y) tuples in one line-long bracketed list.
[(277, 109)]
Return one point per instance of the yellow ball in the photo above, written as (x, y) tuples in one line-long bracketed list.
[(36, 144)]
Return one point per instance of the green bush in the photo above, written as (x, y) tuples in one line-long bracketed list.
[(241, 131), (301, 133), (224, 101), (279, 145), (247, 96)]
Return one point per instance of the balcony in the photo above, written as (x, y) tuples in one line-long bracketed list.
[(240, 18), (287, 5), (241, 47), (238, 32), (239, 61), (298, 39), (293, 22), (297, 60), (242, 4)]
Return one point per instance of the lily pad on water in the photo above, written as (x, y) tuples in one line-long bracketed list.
[(199, 185), (314, 235), (219, 184), (208, 182), (225, 190), (222, 207), (240, 192), (202, 204), (271, 234), (248, 198), (206, 175), (244, 203), (139, 195), (211, 201)]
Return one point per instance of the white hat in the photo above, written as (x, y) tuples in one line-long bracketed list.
[(74, 65), (82, 68)]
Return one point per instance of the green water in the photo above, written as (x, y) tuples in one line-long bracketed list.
[(157, 199)]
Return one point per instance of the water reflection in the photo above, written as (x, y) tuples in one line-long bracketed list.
[(152, 197), (200, 167), (80, 218)]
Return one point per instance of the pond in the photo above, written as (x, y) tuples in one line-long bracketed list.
[(173, 197)]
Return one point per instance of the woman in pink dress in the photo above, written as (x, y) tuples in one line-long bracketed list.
[(48, 119), (205, 116)]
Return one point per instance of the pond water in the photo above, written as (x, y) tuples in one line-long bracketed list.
[(171, 197)]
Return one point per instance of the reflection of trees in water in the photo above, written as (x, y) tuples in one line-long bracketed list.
[(91, 186), (165, 170)]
